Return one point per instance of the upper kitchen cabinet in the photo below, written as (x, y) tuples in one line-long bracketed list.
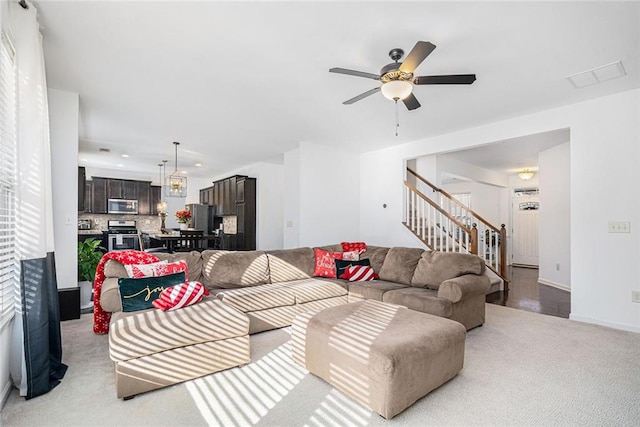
[(155, 195), (122, 189), (143, 195), (99, 199)]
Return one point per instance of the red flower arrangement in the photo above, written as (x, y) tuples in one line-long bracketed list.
[(183, 216)]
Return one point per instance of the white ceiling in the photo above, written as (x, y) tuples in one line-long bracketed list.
[(241, 82)]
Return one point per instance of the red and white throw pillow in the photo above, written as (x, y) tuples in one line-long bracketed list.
[(325, 263), (179, 296), (157, 269), (351, 256), (136, 271), (359, 273), (359, 247)]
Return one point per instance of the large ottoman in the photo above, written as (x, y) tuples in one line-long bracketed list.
[(383, 355), (153, 349)]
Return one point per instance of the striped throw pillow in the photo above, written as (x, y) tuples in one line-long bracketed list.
[(181, 295), (359, 273)]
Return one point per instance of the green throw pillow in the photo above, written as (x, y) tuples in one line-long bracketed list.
[(342, 265), (138, 294)]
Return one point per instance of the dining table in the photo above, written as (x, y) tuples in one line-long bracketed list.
[(171, 240)]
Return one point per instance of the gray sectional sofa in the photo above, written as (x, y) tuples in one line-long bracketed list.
[(271, 287), (255, 291)]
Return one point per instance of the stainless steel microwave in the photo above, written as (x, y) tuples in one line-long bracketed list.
[(121, 206)]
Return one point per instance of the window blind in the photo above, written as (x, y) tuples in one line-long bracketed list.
[(8, 143)]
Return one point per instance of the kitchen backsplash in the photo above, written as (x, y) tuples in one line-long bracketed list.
[(145, 223)]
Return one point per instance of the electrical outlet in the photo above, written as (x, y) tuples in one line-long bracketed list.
[(635, 296), (289, 224), (619, 227), (148, 221)]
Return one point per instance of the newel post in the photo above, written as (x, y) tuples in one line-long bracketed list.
[(474, 240), (503, 256)]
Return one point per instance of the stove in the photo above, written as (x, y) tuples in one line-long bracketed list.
[(121, 227), (122, 235)]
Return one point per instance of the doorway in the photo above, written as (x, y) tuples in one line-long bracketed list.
[(524, 213)]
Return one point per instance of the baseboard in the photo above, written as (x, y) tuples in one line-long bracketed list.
[(614, 325), (553, 284), (6, 391)]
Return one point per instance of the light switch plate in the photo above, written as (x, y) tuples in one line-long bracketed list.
[(635, 296)]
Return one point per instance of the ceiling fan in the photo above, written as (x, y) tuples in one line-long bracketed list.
[(397, 77)]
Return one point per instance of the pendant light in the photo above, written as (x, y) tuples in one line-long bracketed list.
[(176, 184)]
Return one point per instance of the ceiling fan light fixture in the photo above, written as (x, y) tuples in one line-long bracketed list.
[(525, 175), (396, 90)]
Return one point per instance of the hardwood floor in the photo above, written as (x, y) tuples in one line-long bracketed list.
[(525, 293)]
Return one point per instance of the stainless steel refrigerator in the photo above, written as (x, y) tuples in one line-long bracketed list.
[(201, 217)]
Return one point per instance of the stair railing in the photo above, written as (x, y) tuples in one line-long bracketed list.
[(447, 225)]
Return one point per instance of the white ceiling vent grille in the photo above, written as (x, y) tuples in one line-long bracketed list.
[(597, 75)]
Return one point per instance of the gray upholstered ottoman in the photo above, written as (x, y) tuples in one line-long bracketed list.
[(383, 355)]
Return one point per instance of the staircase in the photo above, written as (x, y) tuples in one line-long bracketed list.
[(444, 224)]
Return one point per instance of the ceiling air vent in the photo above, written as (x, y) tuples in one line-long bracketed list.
[(104, 150), (597, 75)]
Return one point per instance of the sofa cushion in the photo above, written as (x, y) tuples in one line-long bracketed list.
[(258, 298), (376, 255), (399, 264), (418, 299), (371, 290), (291, 264), (193, 259), (315, 289), (138, 334), (435, 267), (233, 269)]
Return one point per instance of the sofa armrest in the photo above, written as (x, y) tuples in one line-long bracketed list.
[(110, 295), (462, 287)]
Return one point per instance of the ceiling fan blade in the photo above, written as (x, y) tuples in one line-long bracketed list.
[(411, 102), (355, 73), (361, 96), (452, 79), (419, 52)]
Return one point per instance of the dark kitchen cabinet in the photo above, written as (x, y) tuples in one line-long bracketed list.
[(99, 196), (234, 196), (155, 198), (122, 189), (88, 197), (143, 189), (82, 178)]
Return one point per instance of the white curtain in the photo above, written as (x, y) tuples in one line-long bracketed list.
[(36, 365)]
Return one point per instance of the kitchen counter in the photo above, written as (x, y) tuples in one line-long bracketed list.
[(92, 232)]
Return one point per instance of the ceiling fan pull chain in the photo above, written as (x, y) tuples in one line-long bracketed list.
[(397, 118)]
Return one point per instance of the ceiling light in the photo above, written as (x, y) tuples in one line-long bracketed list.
[(126, 156), (120, 165), (184, 172), (396, 90), (525, 175), (176, 184), (197, 165)]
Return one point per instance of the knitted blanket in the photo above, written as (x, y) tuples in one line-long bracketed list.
[(101, 318)]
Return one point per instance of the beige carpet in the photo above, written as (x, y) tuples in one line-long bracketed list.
[(521, 368)]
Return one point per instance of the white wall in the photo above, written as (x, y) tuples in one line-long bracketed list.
[(291, 233), (485, 199), (327, 193), (555, 217), (605, 155), (63, 128)]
